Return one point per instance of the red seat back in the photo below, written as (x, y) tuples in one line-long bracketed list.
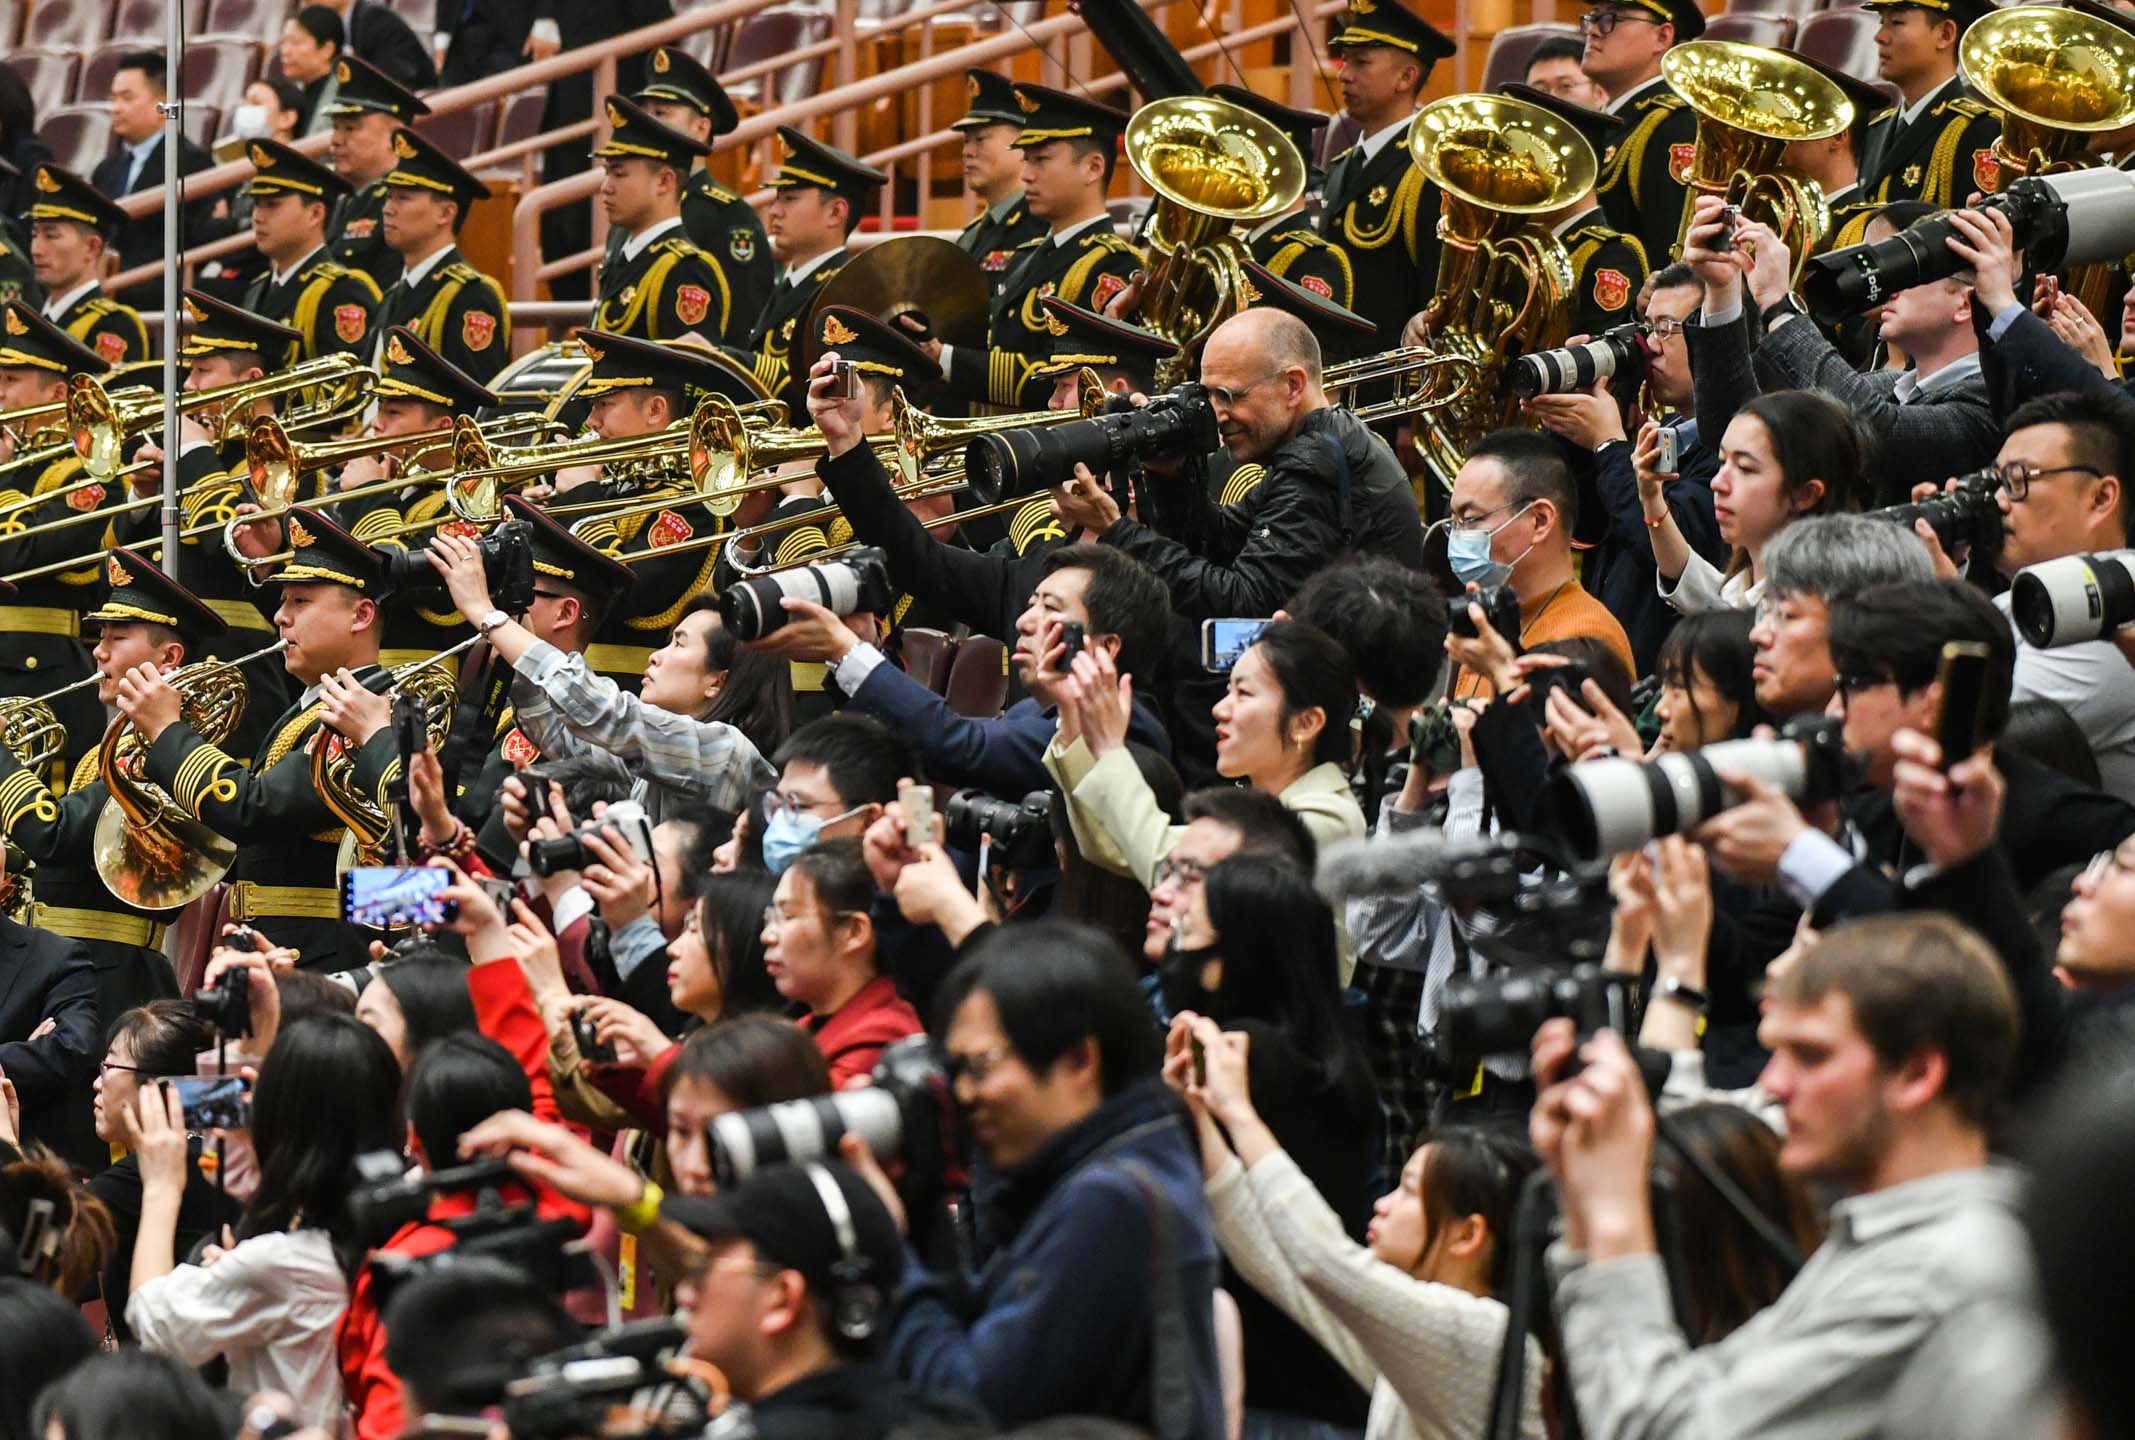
[(66, 24), (978, 681), (49, 74), (1843, 39), (1512, 47), (218, 68), (80, 135), (1776, 31)]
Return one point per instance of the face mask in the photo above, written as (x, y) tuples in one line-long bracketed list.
[(786, 835), (1468, 552), (1179, 978), (249, 122)]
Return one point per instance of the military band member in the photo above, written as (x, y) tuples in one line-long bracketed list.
[(366, 110), (993, 169), (147, 618), (819, 195), (328, 304), (1835, 163), (1937, 144), (18, 278), (1608, 266), (284, 880), (450, 306), (679, 92), (1286, 243), (638, 387), (1069, 147), (659, 285), (1644, 174), (71, 225), (40, 622), (1376, 205)]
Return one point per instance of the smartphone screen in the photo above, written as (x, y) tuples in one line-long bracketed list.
[(215, 1102), (387, 895), (1223, 641), (1963, 673)]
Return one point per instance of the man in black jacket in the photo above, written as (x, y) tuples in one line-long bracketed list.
[(136, 163), (1332, 485), (377, 34), (50, 979)]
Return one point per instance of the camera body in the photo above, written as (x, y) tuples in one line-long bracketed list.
[(2073, 599), (1612, 353), (905, 1113), (1021, 832), (591, 1048), (1499, 1014), (507, 567), (1181, 421), (228, 1005), (568, 852), (1501, 607), (1968, 515), (859, 582)]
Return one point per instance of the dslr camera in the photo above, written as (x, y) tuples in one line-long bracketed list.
[(1021, 832), (1499, 1014), (568, 852), (858, 583), (1181, 422), (507, 567), (1501, 607), (228, 1005), (1967, 515), (906, 1113), (1576, 367)]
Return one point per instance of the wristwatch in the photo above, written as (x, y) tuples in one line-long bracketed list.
[(1670, 988), (1788, 304), (492, 621)]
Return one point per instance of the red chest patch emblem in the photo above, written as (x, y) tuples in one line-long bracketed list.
[(86, 498), (996, 260), (668, 529), (350, 322), (692, 303), (464, 529), (359, 229), (520, 752), (1612, 289), (1987, 170), (477, 329), (1680, 159), (1317, 286), (112, 346), (1107, 286)]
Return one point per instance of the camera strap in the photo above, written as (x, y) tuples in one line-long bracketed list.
[(1171, 1391), (1342, 481)]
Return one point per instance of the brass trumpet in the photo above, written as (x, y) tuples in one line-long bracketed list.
[(148, 851), (1419, 363)]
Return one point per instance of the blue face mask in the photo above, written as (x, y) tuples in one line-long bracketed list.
[(786, 835), (1468, 552)]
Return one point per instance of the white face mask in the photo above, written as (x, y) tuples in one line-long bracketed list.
[(249, 122)]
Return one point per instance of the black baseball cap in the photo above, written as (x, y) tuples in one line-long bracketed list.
[(781, 1212)]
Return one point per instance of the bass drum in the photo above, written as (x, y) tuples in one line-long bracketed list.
[(544, 381)]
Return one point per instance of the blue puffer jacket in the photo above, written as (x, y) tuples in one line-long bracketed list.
[(1060, 1318)]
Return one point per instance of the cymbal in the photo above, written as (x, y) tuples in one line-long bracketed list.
[(908, 272)]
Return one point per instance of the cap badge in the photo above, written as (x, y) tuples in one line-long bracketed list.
[(116, 574), (403, 146), (1026, 102), (342, 74), (14, 322), (47, 181), (1250, 291), (397, 351), (261, 159), (299, 537), (593, 351), (193, 308), (662, 62), (615, 116), (1363, 7), (837, 332), (971, 86)]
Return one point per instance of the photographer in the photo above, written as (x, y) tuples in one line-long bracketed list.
[(846, 765), (2026, 355), (271, 1302), (1054, 1063), (1892, 1040), (819, 945), (1932, 419), (1513, 510), (1331, 484)]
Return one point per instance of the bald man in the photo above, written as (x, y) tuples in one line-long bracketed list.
[(1331, 484)]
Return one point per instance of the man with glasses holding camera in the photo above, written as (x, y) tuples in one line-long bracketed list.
[(1644, 174)]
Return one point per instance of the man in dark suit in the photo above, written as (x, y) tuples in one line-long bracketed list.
[(47, 977), (136, 163), (377, 34)]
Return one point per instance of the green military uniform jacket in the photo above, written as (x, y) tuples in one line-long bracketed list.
[(420, 624), (667, 290), (631, 631), (994, 242), (58, 832), (331, 305), (457, 311), (1383, 214), (112, 330), (1609, 268), (1302, 256), (17, 280), (1092, 267), (727, 228), (41, 647), (356, 235), (284, 880), (770, 343), (1642, 175), (1941, 157)]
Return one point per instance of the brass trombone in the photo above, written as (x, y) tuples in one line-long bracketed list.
[(1418, 361), (102, 424)]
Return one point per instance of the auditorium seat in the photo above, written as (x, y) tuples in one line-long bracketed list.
[(259, 18), (11, 23), (80, 135), (521, 119), (1773, 30), (144, 20), (202, 123), (1795, 10), (978, 679), (49, 74), (219, 67), (461, 133), (927, 656), (1511, 47), (98, 68), (1844, 40), (66, 24), (774, 32)]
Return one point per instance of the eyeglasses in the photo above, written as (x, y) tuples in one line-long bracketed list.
[(107, 1066), (1665, 328), (1602, 22), (978, 1066), (2015, 476), (1178, 872), (1849, 684), (1227, 397), (2106, 860), (777, 803), (774, 920)]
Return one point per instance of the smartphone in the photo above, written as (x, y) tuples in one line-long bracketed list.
[(1223, 641), (1200, 1060), (391, 895), (1961, 725), (917, 802), (590, 1048), (1071, 637), (215, 1102), (844, 381), (1571, 679), (1665, 458)]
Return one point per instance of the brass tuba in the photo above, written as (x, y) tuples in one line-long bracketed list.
[(1505, 282), (1753, 102), (147, 850), (2057, 76), (333, 765), (1213, 166)]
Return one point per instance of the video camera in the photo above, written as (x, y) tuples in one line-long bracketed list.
[(1000, 466), (385, 1199), (858, 583), (507, 567)]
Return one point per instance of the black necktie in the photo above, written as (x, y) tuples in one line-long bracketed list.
[(1332, 200)]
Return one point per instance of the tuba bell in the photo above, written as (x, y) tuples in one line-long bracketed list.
[(147, 850), (1505, 282), (2057, 76), (1213, 166), (1751, 103)]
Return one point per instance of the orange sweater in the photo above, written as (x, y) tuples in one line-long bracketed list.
[(1569, 612)]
